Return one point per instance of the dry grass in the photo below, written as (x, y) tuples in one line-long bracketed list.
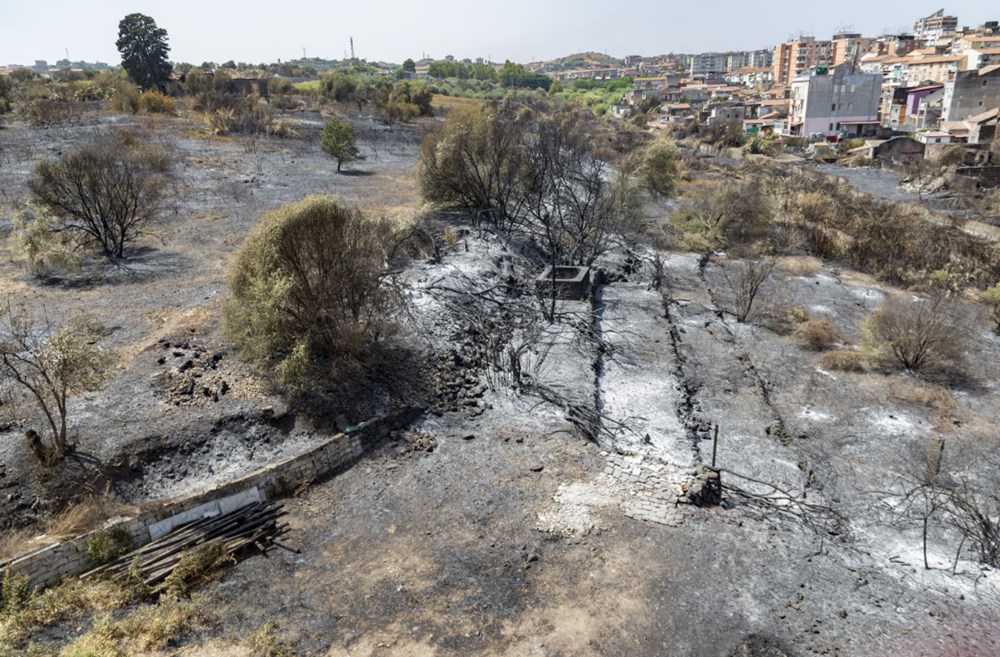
[(816, 334), (800, 265), (79, 519), (842, 360), (923, 393)]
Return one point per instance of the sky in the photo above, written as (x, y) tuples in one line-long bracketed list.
[(392, 30)]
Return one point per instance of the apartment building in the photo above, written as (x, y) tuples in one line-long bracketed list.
[(932, 28), (971, 93), (846, 48), (841, 102), (795, 58)]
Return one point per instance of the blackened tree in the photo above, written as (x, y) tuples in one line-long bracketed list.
[(144, 50)]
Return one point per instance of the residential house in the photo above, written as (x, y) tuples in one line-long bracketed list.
[(927, 65), (726, 113), (843, 102), (971, 93), (980, 50), (874, 62), (899, 152), (897, 45), (982, 128), (910, 108), (934, 137), (639, 96), (749, 76), (928, 110)]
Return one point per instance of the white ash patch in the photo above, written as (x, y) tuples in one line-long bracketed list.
[(574, 513)]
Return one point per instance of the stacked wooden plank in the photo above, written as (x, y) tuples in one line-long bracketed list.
[(256, 525)]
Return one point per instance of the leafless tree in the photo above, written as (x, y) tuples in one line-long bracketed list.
[(107, 192), (745, 281), (919, 333), (570, 205)]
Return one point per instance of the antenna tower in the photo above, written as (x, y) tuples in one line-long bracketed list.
[(352, 48)]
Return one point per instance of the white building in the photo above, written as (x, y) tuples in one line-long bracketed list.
[(842, 102)]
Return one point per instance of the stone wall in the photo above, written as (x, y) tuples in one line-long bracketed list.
[(46, 566), (988, 177)]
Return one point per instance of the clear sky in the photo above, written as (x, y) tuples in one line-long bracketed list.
[(391, 30)]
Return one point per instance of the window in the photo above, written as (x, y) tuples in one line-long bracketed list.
[(831, 127), (833, 108)]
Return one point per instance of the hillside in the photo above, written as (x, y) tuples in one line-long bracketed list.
[(545, 509), (585, 60)]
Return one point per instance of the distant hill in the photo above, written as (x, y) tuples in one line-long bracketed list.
[(584, 60)]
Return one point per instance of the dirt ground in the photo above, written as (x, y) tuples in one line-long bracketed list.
[(515, 535)]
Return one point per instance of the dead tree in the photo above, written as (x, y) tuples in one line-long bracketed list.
[(746, 281)]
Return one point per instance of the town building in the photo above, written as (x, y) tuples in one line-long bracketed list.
[(842, 102), (847, 48), (795, 58), (932, 28), (971, 93)]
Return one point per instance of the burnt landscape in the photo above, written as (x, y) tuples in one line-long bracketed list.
[(696, 446)]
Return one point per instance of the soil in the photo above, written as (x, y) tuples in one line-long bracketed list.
[(501, 524)]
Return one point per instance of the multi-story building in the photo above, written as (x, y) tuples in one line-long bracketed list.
[(841, 102), (897, 45), (849, 48), (923, 66), (980, 50), (935, 26), (763, 58), (795, 58), (716, 64), (970, 93), (708, 64)]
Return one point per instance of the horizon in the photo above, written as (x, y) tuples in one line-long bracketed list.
[(197, 33)]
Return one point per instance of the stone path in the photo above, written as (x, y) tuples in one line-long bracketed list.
[(651, 488)]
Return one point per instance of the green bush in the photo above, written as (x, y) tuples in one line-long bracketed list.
[(153, 102), (106, 545), (15, 592), (310, 286), (758, 145), (125, 98)]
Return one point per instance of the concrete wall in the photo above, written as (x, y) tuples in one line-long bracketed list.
[(970, 94), (48, 565)]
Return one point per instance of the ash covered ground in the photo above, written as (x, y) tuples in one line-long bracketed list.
[(501, 523)]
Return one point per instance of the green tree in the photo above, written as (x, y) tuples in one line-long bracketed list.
[(144, 50), (410, 66), (5, 94), (473, 161), (659, 167), (310, 286), (339, 140)]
